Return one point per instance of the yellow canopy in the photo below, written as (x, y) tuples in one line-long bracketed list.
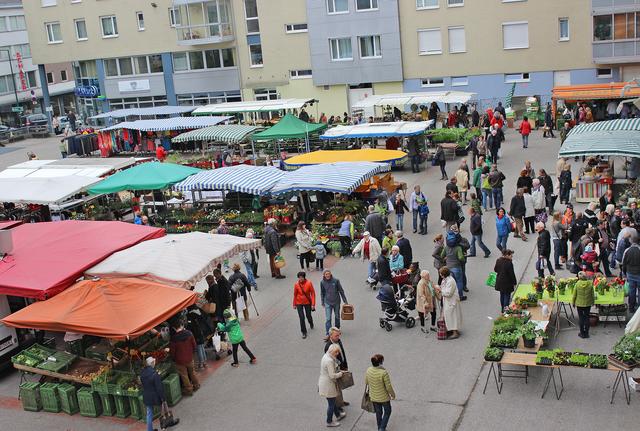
[(394, 157)]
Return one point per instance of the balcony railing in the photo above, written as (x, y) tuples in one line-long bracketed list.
[(204, 34), (626, 51), (203, 22)]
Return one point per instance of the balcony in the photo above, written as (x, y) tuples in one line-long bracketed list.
[(616, 52), (199, 22)]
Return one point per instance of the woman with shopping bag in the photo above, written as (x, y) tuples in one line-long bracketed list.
[(451, 313), (328, 384), (153, 395)]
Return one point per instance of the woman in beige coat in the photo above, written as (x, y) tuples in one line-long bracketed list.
[(425, 300), (328, 384), (450, 303), (462, 181)]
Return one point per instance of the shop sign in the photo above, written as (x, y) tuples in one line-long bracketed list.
[(23, 80), (133, 86), (87, 91)]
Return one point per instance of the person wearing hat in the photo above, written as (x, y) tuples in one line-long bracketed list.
[(152, 390), (589, 258), (239, 286), (369, 249), (583, 300), (236, 337)]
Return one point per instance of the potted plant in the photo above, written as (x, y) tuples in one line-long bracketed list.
[(562, 286), (600, 285), (578, 359), (550, 285), (538, 286), (493, 354), (529, 333)]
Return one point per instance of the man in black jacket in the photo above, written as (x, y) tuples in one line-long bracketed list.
[(374, 223), (272, 247), (517, 210), (547, 183), (384, 269), (631, 267), (544, 250), (475, 221), (152, 390), (405, 249), (449, 210)]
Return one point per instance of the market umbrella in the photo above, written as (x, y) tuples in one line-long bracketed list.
[(179, 260), (146, 176), (119, 308), (289, 127)]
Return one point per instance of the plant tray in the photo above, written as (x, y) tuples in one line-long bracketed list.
[(49, 396), (493, 360), (625, 365), (544, 361)]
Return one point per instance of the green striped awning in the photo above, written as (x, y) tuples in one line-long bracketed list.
[(606, 138), (230, 134), (509, 100)]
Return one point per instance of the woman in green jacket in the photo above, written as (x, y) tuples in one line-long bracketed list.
[(236, 337), (583, 300), (380, 390)]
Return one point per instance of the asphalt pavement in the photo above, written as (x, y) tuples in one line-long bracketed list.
[(438, 383)]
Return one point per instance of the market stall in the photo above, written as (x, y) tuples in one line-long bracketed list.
[(145, 112), (84, 167), (147, 176), (234, 136), (43, 191), (601, 142), (254, 106), (255, 180), (175, 260), (392, 157), (290, 128)]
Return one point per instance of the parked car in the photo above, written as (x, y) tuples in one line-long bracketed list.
[(34, 120), (64, 122)]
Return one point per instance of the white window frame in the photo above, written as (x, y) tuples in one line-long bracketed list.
[(48, 3), (53, 78), (10, 25), (457, 27), (257, 65), (369, 9), (430, 30), (295, 74), (379, 47), (513, 23), (293, 30), (428, 83), (331, 40), (464, 81), (449, 4), (251, 18), (114, 25), (173, 14), (50, 34), (522, 78), (333, 2), (140, 15), (75, 25), (204, 61), (604, 76), (437, 6), (266, 94), (568, 36)]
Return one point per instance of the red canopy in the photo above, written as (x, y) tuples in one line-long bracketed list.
[(8, 224), (115, 308), (49, 257)]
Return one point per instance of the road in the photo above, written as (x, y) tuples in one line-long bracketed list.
[(438, 383)]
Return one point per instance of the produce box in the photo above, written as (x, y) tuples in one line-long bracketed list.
[(108, 404), (164, 369), (30, 396), (138, 411), (123, 408), (89, 402), (68, 398), (115, 383), (172, 390), (98, 352), (49, 396), (38, 351), (23, 359), (61, 362)]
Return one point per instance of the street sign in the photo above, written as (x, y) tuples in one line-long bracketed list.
[(16, 109), (49, 108)]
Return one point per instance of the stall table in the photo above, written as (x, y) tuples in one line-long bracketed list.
[(73, 374)]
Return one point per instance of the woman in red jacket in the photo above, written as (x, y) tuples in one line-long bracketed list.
[(304, 300), (525, 131)]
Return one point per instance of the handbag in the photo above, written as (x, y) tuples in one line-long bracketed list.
[(441, 333), (491, 279), (166, 417), (346, 381), (367, 404), (279, 262), (209, 308)]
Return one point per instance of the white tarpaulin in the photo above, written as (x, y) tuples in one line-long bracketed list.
[(422, 98), (179, 260), (377, 130), (43, 191), (252, 106)]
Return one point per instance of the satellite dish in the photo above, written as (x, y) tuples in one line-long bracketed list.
[(6, 242)]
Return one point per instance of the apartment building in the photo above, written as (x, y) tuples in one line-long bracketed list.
[(187, 52)]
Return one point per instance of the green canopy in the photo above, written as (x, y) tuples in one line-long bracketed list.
[(289, 127), (146, 176)]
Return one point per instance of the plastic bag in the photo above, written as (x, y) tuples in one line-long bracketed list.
[(215, 340), (240, 304), (491, 279)]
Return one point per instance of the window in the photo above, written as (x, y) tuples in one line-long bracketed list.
[(63, 75), (300, 74), (180, 61), (433, 82), (251, 15), (50, 79), (510, 78), (16, 23), (366, 5), (155, 64), (455, 3), (87, 69), (24, 50), (370, 47), (457, 81), (142, 67), (140, 20), (563, 24), (54, 35), (515, 35), (6, 84), (265, 94), (174, 17), (47, 3), (3, 24), (255, 53), (111, 67), (125, 66), (30, 76), (604, 73), (457, 42), (295, 28), (212, 59), (338, 6), (81, 29), (196, 60), (109, 26), (227, 57), (427, 4), (624, 26), (429, 41), (208, 98), (341, 49), (602, 27)]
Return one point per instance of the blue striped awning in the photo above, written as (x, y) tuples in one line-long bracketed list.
[(255, 180), (604, 138), (341, 177)]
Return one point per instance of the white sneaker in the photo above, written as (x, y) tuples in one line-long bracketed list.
[(342, 416), (333, 424)]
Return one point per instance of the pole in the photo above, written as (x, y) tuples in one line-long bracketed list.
[(253, 302), (13, 79)]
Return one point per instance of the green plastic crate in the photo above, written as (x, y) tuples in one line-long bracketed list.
[(89, 403), (123, 408), (30, 396), (138, 411), (49, 396), (172, 390), (68, 398), (156, 410), (108, 404)]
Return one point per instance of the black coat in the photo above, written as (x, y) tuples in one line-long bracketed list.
[(475, 224), (547, 183), (506, 276), (152, 390), (342, 356), (517, 208), (271, 241), (405, 250), (544, 244), (384, 269), (448, 210), (525, 182)]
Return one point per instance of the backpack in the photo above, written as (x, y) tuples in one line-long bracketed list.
[(237, 285), (453, 239)]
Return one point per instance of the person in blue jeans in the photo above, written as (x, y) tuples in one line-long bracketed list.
[(503, 227), (495, 180), (152, 390), (631, 267), (331, 293), (475, 228)]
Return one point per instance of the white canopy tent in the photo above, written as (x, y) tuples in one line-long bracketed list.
[(87, 167), (422, 98), (377, 130), (177, 260), (252, 106), (145, 112), (43, 191)]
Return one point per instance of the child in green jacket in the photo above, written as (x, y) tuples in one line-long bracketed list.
[(236, 337)]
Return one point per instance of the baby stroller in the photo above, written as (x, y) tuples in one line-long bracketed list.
[(395, 308)]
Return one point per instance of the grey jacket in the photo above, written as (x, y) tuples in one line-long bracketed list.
[(271, 240), (375, 225), (331, 291)]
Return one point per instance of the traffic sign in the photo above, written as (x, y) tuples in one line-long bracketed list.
[(17, 109)]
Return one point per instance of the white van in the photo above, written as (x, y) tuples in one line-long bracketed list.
[(12, 340)]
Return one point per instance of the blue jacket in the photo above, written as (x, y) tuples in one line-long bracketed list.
[(345, 229), (152, 390), (503, 225)]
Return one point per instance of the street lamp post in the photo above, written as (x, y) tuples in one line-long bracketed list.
[(13, 81)]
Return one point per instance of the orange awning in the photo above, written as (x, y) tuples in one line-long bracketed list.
[(118, 308), (610, 90)]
